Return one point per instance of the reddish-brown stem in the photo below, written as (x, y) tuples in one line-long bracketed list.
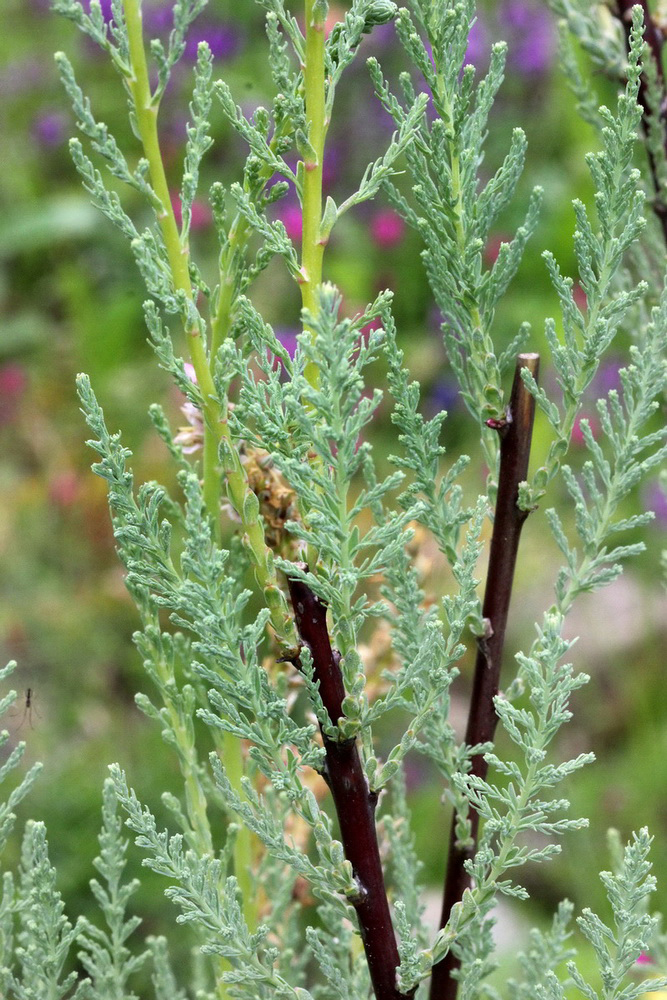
[(515, 438), (655, 39), (353, 799)]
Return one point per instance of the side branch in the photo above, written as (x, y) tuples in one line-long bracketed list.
[(515, 439), (354, 802), (655, 39)]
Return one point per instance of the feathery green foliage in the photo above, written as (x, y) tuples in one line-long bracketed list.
[(287, 543)]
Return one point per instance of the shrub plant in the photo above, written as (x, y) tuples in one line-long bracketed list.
[(290, 854)]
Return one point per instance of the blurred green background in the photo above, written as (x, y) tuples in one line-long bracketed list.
[(71, 300)]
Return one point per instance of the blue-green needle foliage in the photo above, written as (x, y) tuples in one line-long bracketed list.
[(286, 488)]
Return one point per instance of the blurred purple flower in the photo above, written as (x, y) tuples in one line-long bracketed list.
[(381, 37), (331, 167), (644, 959), (20, 76), (287, 337), (444, 395), (158, 19), (106, 8), (655, 499), (435, 320), (50, 128), (224, 40), (532, 42), (607, 377), (478, 43)]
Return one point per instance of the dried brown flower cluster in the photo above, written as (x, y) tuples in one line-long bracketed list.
[(277, 500)]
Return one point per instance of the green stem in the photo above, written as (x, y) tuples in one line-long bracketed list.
[(146, 112), (312, 246), (221, 323), (232, 754)]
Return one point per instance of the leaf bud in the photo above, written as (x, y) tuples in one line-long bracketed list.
[(379, 12), (250, 508), (320, 12), (305, 149), (328, 219)]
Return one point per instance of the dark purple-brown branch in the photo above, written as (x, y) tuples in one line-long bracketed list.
[(655, 39), (353, 799), (515, 437)]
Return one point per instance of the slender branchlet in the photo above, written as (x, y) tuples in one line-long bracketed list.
[(515, 431), (654, 105)]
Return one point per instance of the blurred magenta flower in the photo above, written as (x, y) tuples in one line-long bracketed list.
[(13, 384), (387, 228), (577, 433), (644, 959), (201, 212), (531, 41), (289, 213)]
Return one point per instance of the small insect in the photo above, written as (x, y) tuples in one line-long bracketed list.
[(28, 707)]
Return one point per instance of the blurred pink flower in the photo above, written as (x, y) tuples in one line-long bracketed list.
[(387, 228), (64, 488), (644, 959), (191, 436), (492, 248), (292, 219), (13, 383), (577, 433), (201, 213), (579, 296)]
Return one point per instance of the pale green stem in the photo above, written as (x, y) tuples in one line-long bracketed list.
[(146, 112), (312, 246), (221, 323)]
